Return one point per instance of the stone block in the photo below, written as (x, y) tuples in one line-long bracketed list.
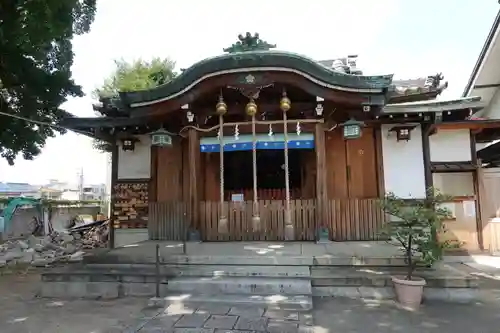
[(141, 289), (282, 327), (215, 309), (102, 290), (252, 324), (192, 320), (221, 321), (282, 315), (246, 311)]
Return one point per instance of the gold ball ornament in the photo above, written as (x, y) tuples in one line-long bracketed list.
[(251, 108), (285, 104), (221, 108)]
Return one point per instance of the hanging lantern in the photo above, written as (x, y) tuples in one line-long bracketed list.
[(251, 108), (285, 103), (352, 129), (221, 107), (161, 138)]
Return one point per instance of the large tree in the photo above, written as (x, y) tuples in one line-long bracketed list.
[(35, 68), (136, 75)]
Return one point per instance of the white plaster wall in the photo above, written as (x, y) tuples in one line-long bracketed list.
[(450, 145), (492, 111), (403, 164), (455, 184), (137, 163)]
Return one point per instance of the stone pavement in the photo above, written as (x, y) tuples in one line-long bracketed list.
[(336, 315), (215, 318)]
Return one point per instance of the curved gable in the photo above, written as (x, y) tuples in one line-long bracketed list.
[(258, 61)]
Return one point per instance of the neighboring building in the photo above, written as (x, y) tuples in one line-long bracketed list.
[(349, 139), (485, 78), (485, 82), (19, 190)]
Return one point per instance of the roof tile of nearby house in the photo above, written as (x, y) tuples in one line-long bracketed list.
[(17, 187)]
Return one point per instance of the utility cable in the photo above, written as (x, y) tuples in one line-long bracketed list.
[(38, 122)]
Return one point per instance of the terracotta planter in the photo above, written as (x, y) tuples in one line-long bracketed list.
[(409, 293)]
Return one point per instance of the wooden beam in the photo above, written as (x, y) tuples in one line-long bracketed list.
[(194, 176), (321, 185)]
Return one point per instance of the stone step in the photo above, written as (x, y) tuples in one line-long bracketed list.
[(251, 286), (176, 270), (362, 277), (204, 260), (285, 260), (275, 302)]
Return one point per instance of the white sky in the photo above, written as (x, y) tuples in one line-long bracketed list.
[(408, 38)]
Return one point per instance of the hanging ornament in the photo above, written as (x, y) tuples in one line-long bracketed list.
[(297, 128), (270, 134), (236, 132)]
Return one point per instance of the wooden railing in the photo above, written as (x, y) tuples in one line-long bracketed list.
[(347, 219), (272, 216)]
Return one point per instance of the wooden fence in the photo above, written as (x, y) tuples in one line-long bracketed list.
[(348, 219), (355, 219), (168, 220)]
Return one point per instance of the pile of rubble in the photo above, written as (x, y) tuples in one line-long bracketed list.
[(54, 248)]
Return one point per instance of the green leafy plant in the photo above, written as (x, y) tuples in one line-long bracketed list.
[(415, 227)]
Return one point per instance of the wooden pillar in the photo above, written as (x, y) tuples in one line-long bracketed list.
[(114, 179), (477, 177), (379, 156), (321, 186), (194, 177), (426, 155)]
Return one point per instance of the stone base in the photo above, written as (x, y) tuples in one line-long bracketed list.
[(322, 236), (194, 236), (289, 232)]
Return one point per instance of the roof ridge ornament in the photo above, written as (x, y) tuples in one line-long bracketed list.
[(249, 43)]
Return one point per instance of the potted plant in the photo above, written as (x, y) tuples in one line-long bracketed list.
[(414, 228)]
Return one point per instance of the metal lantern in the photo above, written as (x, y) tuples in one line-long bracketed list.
[(285, 103), (352, 129), (161, 138), (221, 107), (251, 108)]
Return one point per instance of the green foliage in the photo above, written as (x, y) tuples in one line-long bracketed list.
[(35, 68), (136, 75), (133, 76), (415, 230)]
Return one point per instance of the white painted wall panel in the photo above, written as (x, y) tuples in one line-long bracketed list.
[(403, 164), (137, 163), (455, 184), (492, 111), (450, 145)]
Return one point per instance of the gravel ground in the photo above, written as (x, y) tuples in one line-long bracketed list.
[(22, 312)]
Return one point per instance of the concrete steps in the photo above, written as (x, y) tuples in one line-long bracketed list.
[(278, 302), (204, 270), (243, 286), (284, 286)]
